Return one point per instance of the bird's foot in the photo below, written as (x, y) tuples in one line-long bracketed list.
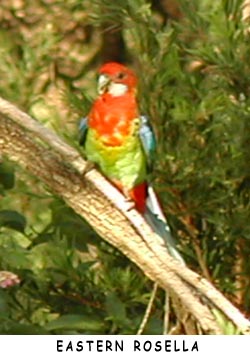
[(129, 202), (88, 167)]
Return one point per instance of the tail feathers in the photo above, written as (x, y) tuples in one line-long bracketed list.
[(157, 221)]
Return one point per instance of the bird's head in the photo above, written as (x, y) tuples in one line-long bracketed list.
[(116, 79)]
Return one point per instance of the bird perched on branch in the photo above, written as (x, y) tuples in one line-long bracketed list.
[(122, 144)]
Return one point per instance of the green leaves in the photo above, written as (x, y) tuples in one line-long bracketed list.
[(7, 177), (13, 220), (116, 310), (227, 327), (75, 322)]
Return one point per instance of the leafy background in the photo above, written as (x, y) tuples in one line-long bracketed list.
[(192, 59)]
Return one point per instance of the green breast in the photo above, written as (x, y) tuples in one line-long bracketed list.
[(125, 163)]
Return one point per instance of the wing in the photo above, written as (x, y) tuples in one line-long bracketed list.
[(148, 140), (83, 129)]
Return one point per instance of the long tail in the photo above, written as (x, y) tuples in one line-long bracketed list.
[(157, 221)]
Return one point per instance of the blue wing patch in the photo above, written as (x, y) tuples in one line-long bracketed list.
[(148, 139), (83, 129)]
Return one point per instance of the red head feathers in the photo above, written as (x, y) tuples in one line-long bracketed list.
[(119, 73)]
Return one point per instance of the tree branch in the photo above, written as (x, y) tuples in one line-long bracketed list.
[(59, 166)]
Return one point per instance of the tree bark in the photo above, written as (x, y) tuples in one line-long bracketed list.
[(59, 166)]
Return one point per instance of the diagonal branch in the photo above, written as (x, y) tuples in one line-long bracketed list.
[(59, 166)]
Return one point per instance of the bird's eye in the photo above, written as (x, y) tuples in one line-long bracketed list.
[(121, 75)]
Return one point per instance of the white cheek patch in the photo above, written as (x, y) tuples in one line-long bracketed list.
[(103, 82), (117, 89)]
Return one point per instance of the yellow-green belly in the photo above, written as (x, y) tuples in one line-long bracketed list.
[(125, 164)]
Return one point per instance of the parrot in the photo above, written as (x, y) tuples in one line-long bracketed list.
[(122, 144)]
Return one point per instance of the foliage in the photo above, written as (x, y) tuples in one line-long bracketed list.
[(194, 84)]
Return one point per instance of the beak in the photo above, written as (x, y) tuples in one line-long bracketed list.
[(103, 84)]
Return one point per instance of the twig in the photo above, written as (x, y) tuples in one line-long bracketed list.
[(148, 310), (246, 15), (166, 314), (192, 231)]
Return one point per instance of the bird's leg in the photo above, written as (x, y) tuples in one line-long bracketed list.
[(129, 203), (88, 167), (128, 199)]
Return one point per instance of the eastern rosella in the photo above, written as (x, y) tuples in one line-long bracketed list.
[(121, 143)]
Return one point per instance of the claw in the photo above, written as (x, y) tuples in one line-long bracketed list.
[(88, 167), (129, 204)]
